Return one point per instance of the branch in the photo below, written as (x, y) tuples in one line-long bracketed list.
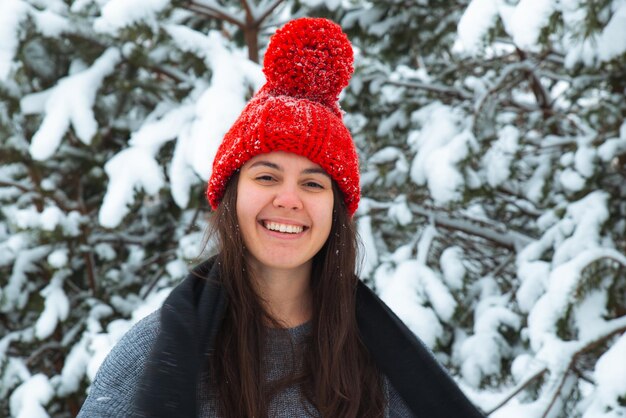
[(213, 10), (500, 84), (268, 11), (25, 189), (517, 389), (588, 345), (249, 12), (615, 326), (459, 94), (511, 240), (192, 223), (51, 345), (153, 282), (540, 93), (91, 274)]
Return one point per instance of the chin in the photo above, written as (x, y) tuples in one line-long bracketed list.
[(281, 262)]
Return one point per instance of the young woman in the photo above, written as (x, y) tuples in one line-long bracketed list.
[(277, 324)]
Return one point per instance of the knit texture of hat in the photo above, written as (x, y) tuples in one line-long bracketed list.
[(307, 64)]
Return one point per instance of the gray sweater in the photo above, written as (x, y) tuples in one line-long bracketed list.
[(112, 391)]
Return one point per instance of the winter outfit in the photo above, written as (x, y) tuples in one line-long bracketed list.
[(154, 370), (161, 370)]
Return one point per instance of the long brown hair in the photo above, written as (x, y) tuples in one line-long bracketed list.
[(339, 377)]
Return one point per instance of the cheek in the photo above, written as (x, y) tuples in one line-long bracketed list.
[(245, 203), (324, 214)]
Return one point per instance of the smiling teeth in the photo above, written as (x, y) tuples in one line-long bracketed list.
[(290, 229)]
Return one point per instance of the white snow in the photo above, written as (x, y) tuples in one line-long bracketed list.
[(117, 14), (70, 102), (441, 144), (131, 169), (610, 377), (48, 22), (56, 306), (584, 159), (29, 399), (588, 214), (477, 19), (198, 126), (482, 353), (58, 258), (14, 294), (400, 289), (399, 211), (610, 148), (330, 4), (534, 277), (612, 40), (368, 254), (452, 267), (527, 20), (11, 14), (410, 285), (535, 185), (563, 282), (497, 161), (74, 368)]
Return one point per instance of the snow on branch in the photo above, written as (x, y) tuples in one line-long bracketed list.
[(441, 144), (510, 239), (14, 295), (214, 9), (69, 102), (117, 14), (56, 306), (563, 283), (12, 15), (197, 124), (29, 399)]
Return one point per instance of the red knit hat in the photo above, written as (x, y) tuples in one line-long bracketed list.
[(307, 64)]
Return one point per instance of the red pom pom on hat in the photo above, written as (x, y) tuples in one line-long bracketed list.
[(307, 64), (309, 58)]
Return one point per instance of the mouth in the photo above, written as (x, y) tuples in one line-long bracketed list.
[(283, 228)]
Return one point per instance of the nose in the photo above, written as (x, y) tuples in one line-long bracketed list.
[(287, 197)]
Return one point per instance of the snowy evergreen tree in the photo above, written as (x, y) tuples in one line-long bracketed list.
[(493, 140)]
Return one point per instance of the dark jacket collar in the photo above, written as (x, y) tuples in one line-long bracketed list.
[(191, 316)]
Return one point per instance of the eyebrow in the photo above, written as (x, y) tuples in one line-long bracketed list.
[(312, 170)]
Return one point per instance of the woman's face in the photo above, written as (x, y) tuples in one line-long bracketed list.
[(284, 210)]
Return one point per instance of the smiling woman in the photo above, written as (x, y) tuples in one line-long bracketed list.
[(286, 215), (277, 324)]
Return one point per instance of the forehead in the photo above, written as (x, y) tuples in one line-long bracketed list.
[(283, 160)]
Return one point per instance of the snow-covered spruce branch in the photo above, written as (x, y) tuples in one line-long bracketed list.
[(58, 197), (212, 9), (50, 345), (519, 201), (511, 239), (23, 188), (262, 15), (161, 69), (517, 389), (501, 84), (120, 237), (612, 327), (541, 95), (450, 91)]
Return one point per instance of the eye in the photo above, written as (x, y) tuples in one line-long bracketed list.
[(265, 178), (313, 185)]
